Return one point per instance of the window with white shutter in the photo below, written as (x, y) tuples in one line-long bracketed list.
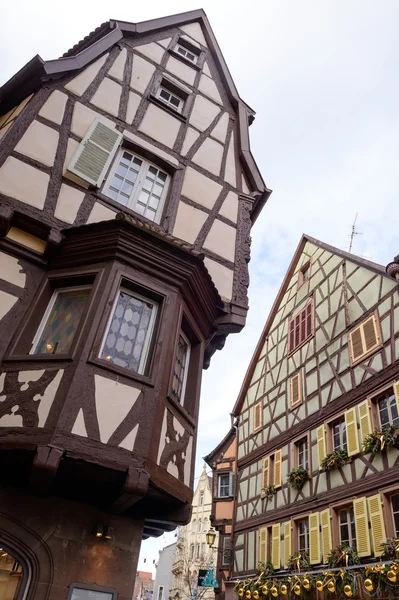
[(95, 153), (364, 339)]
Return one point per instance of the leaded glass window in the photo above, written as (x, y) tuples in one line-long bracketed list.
[(137, 184), (126, 343), (61, 321), (181, 368)]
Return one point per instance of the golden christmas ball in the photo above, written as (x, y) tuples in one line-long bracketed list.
[(248, 594), (284, 589), (331, 586), (256, 595), (265, 590), (369, 585), (348, 591), (241, 592), (274, 591), (297, 589), (319, 585), (306, 583), (392, 575)]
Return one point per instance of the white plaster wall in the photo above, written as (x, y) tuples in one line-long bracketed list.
[(132, 106), (221, 240), (203, 113), (181, 70), (118, 68), (39, 142), (200, 189), (23, 182), (229, 208), (222, 278), (194, 30), (141, 73), (83, 117), (7, 301), (68, 203), (54, 107), (219, 132), (79, 84), (152, 51), (189, 221), (209, 156), (114, 400), (11, 270), (100, 212), (191, 136), (208, 87), (154, 149), (160, 126), (108, 96)]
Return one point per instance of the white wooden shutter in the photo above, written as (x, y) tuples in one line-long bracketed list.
[(287, 542), (296, 389), (321, 443), (262, 544), (377, 523), (365, 419), (276, 559), (326, 539), (277, 469), (362, 527), (352, 439), (314, 539), (95, 153)]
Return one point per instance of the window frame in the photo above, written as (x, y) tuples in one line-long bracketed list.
[(303, 440), (138, 184), (341, 420), (295, 531), (347, 507), (187, 367), (375, 401), (47, 314), (297, 314), (226, 563), (295, 450), (179, 108), (180, 45), (220, 475), (301, 273)]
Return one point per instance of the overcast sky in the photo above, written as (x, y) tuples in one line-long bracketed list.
[(322, 76)]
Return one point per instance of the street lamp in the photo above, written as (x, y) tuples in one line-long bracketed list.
[(210, 537)]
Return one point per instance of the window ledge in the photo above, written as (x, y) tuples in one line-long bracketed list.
[(38, 358), (182, 410), (107, 201), (167, 108), (143, 379), (184, 60)]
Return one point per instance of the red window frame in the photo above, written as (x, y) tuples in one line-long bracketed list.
[(300, 327)]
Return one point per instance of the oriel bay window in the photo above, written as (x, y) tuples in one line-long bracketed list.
[(60, 321), (129, 331)]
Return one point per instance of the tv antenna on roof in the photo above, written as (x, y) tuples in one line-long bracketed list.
[(353, 233)]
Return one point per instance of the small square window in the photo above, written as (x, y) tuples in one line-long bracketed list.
[(129, 332), (61, 321), (172, 99), (304, 274), (187, 54)]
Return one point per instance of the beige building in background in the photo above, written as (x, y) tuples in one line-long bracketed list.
[(192, 552)]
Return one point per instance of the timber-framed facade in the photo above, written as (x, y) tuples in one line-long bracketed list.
[(323, 379), (127, 195)]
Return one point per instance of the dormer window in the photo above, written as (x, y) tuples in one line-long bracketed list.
[(187, 54), (170, 98)]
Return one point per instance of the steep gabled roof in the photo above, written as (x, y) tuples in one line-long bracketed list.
[(362, 262), (221, 447), (34, 73)]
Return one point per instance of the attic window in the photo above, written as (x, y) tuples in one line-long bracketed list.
[(171, 95), (304, 274), (187, 54)]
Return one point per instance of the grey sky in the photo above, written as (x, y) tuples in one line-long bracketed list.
[(322, 76)]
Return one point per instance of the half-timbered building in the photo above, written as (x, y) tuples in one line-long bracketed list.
[(222, 460), (323, 380), (127, 194)]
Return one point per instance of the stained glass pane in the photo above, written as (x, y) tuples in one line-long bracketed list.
[(129, 332), (63, 322), (180, 369)]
